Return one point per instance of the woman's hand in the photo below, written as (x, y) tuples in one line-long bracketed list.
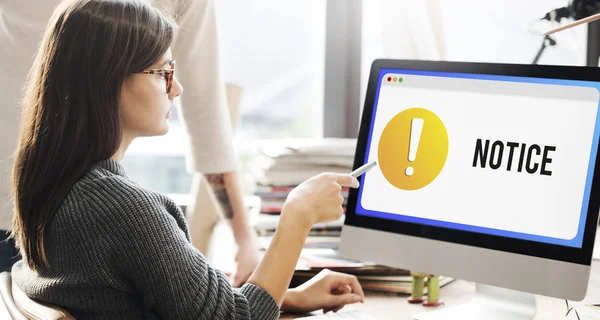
[(318, 199), (328, 290)]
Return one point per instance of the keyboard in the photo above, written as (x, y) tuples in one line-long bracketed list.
[(347, 315)]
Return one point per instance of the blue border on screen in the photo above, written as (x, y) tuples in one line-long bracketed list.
[(575, 242)]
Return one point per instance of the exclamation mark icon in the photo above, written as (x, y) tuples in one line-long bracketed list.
[(412, 149), (416, 127)]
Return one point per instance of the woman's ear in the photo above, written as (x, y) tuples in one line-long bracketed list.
[(124, 96)]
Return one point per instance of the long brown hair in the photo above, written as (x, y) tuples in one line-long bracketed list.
[(71, 107)]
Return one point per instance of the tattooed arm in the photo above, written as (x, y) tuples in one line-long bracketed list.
[(228, 191), (217, 182)]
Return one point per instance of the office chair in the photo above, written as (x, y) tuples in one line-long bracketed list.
[(18, 306)]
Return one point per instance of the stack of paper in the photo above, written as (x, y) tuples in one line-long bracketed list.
[(266, 224), (281, 165), (285, 163)]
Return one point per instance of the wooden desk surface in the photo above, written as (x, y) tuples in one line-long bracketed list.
[(388, 307)]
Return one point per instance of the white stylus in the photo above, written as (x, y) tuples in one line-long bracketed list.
[(363, 169)]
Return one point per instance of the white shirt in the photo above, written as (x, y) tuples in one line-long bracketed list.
[(203, 104)]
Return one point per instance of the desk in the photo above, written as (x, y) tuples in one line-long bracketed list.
[(388, 307)]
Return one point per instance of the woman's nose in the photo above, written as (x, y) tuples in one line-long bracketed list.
[(176, 89)]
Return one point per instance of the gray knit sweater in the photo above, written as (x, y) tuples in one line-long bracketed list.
[(119, 251)]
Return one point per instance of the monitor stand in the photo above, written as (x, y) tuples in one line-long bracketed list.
[(488, 303)]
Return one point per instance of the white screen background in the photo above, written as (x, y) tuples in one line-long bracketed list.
[(499, 199)]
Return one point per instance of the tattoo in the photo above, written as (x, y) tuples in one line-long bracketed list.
[(217, 182)]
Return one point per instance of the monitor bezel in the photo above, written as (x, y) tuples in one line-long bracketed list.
[(581, 255)]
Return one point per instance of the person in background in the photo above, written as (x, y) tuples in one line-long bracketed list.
[(203, 109)]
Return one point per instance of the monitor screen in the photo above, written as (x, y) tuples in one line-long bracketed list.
[(490, 154)]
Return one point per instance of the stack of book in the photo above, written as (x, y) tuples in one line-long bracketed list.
[(273, 197), (371, 276), (321, 253), (287, 163), (266, 224), (281, 165)]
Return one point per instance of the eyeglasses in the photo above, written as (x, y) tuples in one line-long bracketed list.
[(167, 73)]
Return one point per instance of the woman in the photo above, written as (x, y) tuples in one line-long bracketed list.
[(96, 243)]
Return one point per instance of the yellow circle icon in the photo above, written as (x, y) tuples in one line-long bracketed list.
[(413, 149)]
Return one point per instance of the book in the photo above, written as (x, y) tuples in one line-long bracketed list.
[(267, 223), (331, 232), (368, 269), (269, 191), (397, 287), (313, 260), (316, 262), (312, 242), (386, 286), (309, 146)]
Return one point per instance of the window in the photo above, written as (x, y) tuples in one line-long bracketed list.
[(158, 163), (274, 50), (507, 31), (466, 30)]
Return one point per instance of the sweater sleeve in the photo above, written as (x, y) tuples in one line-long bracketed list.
[(152, 252)]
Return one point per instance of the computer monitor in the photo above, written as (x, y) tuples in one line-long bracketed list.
[(485, 173)]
